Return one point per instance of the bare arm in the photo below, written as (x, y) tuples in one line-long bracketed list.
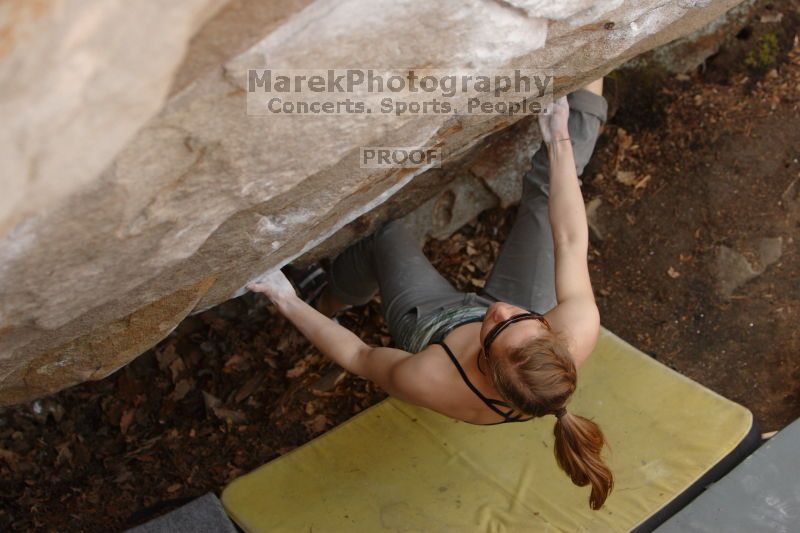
[(395, 371), (576, 312), (334, 341)]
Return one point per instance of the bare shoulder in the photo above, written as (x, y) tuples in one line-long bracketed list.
[(578, 320), (428, 367), (415, 378), (435, 384)]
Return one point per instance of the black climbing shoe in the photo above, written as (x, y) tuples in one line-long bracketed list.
[(309, 282)]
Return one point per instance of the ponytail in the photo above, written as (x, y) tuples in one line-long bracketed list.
[(538, 378), (577, 449)]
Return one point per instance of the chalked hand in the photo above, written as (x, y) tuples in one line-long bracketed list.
[(554, 123), (274, 286)]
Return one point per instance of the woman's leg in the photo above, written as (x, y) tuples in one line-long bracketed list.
[(524, 273), (390, 260)]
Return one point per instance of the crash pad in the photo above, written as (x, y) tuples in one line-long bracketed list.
[(398, 467), (761, 494)]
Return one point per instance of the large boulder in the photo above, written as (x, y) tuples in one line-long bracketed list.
[(95, 267), (77, 79)]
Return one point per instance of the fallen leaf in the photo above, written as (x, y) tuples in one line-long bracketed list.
[(298, 370), (125, 420), (64, 454), (230, 415), (175, 487), (330, 380), (166, 356), (210, 400), (642, 183), (176, 367), (310, 408), (317, 424), (11, 458), (233, 473), (624, 140), (248, 388), (182, 388), (626, 177), (232, 363), (123, 476), (671, 272), (478, 282)]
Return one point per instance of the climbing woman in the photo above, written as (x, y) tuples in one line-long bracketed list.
[(507, 354)]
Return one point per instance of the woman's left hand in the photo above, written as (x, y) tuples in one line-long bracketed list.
[(554, 124), (274, 286)]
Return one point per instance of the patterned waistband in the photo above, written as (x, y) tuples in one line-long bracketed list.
[(416, 333)]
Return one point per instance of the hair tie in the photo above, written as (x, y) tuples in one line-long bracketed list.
[(561, 411)]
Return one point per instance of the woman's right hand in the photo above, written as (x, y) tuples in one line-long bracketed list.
[(554, 123), (274, 286)]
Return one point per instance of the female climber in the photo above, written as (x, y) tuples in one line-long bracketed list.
[(507, 354)]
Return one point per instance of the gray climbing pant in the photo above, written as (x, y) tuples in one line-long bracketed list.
[(391, 261)]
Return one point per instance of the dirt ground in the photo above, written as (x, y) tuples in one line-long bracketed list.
[(695, 193)]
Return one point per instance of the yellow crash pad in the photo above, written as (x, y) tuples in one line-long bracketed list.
[(396, 467)]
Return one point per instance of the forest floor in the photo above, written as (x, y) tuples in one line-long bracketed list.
[(695, 197)]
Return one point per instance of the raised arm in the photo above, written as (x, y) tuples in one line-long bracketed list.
[(576, 312), (393, 370)]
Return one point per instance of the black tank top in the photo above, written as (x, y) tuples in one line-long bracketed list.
[(491, 403)]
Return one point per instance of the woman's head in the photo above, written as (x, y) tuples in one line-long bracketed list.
[(531, 368)]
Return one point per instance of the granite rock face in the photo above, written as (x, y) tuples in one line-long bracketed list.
[(114, 227), (77, 79), (690, 51)]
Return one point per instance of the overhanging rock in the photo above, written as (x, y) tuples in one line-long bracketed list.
[(204, 198)]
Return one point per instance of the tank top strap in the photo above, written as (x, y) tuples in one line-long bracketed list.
[(490, 402)]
